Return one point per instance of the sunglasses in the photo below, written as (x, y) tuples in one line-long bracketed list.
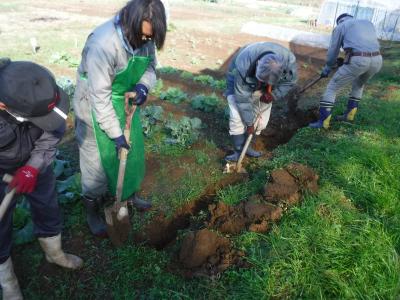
[(146, 37)]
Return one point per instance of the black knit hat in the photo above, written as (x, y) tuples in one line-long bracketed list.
[(341, 17), (30, 91)]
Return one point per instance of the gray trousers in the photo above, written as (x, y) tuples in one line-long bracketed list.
[(93, 180), (357, 72)]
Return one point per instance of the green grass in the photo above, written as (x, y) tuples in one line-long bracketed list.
[(342, 243)]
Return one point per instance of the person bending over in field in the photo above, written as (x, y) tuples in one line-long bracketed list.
[(267, 68)]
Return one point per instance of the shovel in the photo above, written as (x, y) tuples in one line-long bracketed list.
[(7, 198), (117, 215), (232, 167)]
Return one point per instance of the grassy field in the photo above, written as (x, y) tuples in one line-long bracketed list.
[(342, 243)]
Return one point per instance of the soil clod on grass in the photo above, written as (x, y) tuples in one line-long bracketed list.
[(206, 253), (246, 215), (286, 185)]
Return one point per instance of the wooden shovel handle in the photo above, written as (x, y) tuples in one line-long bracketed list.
[(7, 198), (123, 155), (246, 145)]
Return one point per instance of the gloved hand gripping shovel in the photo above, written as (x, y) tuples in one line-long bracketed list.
[(7, 198), (117, 215), (232, 167)]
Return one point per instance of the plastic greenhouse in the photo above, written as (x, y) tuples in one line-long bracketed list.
[(385, 14)]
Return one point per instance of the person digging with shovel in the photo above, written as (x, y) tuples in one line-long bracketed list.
[(33, 110), (263, 67), (118, 57), (362, 61)]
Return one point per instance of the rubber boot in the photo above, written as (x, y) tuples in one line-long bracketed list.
[(139, 203), (350, 113), (93, 218), (237, 141), (250, 151), (55, 255), (9, 282), (325, 114)]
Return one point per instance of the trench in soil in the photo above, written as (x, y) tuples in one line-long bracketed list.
[(162, 230)]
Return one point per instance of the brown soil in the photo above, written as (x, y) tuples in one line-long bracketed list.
[(163, 229), (246, 215), (205, 253), (286, 185)]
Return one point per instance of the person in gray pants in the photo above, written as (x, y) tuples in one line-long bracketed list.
[(362, 61), (258, 74)]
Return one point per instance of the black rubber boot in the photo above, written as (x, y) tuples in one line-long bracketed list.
[(237, 141), (139, 203), (93, 218)]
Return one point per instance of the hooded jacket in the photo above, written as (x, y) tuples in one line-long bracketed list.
[(242, 83), (103, 56)]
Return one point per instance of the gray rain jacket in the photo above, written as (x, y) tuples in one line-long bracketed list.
[(358, 35), (243, 84), (103, 56)]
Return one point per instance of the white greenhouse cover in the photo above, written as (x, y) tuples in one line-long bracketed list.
[(384, 14)]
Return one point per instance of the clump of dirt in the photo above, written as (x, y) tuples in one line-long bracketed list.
[(205, 253), (163, 229), (286, 185), (248, 215)]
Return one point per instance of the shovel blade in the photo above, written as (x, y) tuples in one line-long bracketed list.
[(118, 229), (232, 167)]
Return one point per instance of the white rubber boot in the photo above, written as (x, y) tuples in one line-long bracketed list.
[(54, 254), (9, 282)]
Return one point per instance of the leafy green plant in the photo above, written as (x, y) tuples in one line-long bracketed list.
[(204, 79), (183, 132), (205, 103), (150, 115), (173, 95), (64, 58), (156, 91), (67, 85), (202, 158), (209, 80), (194, 61), (219, 84), (186, 75), (168, 70)]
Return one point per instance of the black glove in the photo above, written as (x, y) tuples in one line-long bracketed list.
[(120, 142), (141, 94), (339, 61), (325, 71)]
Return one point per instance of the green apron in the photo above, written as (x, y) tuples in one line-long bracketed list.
[(135, 167)]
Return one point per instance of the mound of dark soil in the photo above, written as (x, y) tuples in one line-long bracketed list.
[(163, 229), (249, 215), (206, 253), (286, 185)]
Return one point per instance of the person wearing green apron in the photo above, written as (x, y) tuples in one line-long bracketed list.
[(118, 57)]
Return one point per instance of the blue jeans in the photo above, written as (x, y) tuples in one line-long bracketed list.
[(46, 214)]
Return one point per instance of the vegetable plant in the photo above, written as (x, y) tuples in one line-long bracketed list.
[(205, 103), (173, 95), (168, 70), (150, 115), (183, 132)]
